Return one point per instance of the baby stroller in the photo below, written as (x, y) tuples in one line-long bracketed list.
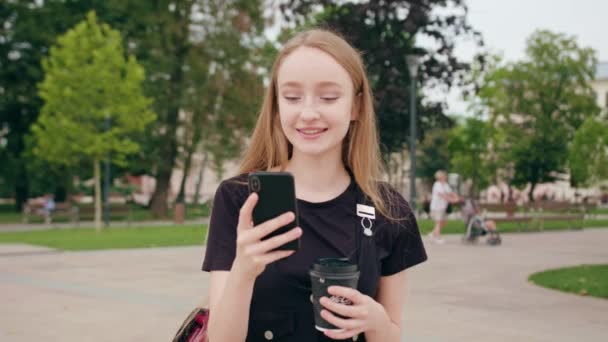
[(475, 226)]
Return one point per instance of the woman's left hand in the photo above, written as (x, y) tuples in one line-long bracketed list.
[(365, 314)]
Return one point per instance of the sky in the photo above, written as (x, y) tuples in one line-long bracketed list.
[(506, 24)]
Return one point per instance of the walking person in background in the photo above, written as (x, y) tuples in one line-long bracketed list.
[(442, 194)]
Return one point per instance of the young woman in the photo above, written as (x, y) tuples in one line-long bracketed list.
[(316, 122)]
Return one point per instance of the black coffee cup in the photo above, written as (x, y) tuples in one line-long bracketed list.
[(328, 272)]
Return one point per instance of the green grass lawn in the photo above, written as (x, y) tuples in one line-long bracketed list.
[(457, 226), (138, 214), (88, 239), (598, 211), (591, 280), (182, 235)]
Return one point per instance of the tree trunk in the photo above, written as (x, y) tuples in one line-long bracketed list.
[(181, 196), (199, 181), (531, 193), (180, 36), (97, 175), (158, 202), (21, 187), (191, 148)]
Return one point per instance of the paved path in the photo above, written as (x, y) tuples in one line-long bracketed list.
[(463, 293)]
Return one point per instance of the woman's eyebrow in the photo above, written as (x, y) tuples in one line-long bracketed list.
[(290, 84), (326, 84), (323, 84)]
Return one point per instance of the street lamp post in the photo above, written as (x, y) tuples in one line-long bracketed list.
[(106, 183), (412, 65)]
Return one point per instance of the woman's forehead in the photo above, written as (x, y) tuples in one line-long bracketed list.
[(305, 67)]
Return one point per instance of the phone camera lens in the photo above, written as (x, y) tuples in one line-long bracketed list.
[(255, 184)]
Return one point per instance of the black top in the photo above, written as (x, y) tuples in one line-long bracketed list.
[(280, 303)]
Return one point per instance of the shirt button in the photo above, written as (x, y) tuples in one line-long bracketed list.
[(268, 335), (311, 300)]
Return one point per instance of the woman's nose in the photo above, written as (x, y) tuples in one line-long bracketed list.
[(309, 112)]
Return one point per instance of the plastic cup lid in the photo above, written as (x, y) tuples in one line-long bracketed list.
[(334, 265)]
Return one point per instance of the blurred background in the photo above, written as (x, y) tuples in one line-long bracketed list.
[(124, 116), (509, 98)]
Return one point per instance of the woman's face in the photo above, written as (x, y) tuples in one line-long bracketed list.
[(315, 98)]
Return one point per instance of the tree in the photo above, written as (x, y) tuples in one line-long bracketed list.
[(386, 32), (227, 74), (93, 100), (539, 103), (588, 152), (470, 152), (433, 155), (177, 42), (27, 29)]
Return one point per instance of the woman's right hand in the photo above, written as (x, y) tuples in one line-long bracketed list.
[(253, 254)]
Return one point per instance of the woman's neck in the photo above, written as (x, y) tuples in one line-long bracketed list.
[(318, 178)]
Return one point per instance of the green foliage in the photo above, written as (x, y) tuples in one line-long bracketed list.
[(588, 152), (469, 148), (538, 104), (184, 47), (27, 30), (201, 59), (433, 155), (93, 101), (87, 81)]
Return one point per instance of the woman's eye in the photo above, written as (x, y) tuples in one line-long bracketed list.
[(292, 98), (329, 98)]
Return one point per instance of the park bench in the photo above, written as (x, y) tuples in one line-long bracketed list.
[(506, 212), (115, 211), (589, 209), (557, 211), (35, 209)]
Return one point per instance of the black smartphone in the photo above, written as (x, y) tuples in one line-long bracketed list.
[(276, 196)]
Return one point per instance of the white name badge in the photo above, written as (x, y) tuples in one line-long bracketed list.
[(366, 211)]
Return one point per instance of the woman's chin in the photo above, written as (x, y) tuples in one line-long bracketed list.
[(312, 151)]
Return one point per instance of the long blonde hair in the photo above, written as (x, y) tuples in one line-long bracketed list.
[(270, 148)]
